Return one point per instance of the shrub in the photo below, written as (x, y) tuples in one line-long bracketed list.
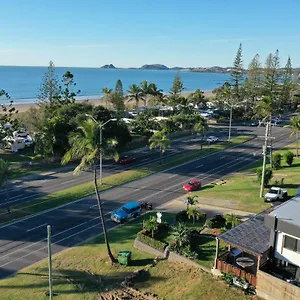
[(231, 221), (289, 157), (276, 159), (151, 242), (268, 175), (187, 252), (217, 221), (183, 217), (228, 277)]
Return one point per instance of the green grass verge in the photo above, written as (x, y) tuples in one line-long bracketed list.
[(86, 189), (241, 191), (76, 274)]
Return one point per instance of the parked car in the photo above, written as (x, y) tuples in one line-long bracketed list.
[(276, 194), (212, 139), (124, 160), (127, 211), (192, 185)]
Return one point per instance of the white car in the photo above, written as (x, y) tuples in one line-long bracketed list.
[(212, 139)]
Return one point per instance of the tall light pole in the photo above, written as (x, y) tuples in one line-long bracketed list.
[(100, 125), (230, 121)]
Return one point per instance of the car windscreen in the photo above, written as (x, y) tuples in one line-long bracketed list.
[(272, 192), (191, 183)]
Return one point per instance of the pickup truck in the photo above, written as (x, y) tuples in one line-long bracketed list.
[(276, 194)]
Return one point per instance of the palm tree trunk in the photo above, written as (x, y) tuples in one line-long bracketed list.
[(193, 220), (110, 255)]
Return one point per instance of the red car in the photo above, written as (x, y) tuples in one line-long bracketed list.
[(192, 185), (124, 160)]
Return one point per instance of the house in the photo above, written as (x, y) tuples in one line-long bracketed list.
[(265, 250)]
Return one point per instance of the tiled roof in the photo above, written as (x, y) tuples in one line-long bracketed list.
[(251, 236)]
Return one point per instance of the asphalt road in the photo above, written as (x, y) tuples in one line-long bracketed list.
[(21, 191), (23, 242)]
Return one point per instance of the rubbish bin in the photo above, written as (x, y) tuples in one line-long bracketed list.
[(124, 257)]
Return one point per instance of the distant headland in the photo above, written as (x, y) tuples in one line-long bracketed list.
[(215, 69)]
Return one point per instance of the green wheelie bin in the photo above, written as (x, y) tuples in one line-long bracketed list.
[(124, 257)]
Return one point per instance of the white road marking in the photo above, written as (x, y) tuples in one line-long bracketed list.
[(173, 176), (199, 166), (67, 181), (36, 227)]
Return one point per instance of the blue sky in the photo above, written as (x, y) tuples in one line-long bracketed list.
[(128, 33)]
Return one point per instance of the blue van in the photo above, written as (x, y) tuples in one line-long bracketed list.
[(130, 210)]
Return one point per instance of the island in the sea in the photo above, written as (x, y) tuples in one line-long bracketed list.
[(110, 66)]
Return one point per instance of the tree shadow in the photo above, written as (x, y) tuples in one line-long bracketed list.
[(141, 262)]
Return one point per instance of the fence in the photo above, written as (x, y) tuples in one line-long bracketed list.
[(226, 268), (271, 287)]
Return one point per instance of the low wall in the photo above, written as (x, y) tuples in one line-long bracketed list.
[(173, 257), (271, 288)]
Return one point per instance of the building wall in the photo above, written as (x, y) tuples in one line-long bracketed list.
[(285, 254)]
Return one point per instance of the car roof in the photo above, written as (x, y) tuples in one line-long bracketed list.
[(131, 205), (194, 181), (275, 188)]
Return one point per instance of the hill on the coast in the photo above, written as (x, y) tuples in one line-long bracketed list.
[(154, 67), (110, 66)]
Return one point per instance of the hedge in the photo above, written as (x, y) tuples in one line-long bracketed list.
[(151, 242)]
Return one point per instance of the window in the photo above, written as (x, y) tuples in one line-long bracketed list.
[(291, 243)]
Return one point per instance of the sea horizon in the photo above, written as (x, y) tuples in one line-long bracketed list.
[(23, 83)]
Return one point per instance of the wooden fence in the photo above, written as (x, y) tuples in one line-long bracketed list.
[(226, 268)]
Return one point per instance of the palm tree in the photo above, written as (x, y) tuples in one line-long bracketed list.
[(180, 233), (265, 108), (194, 213), (146, 90), (201, 127), (5, 171), (295, 126), (135, 93), (85, 145), (106, 91), (160, 140), (191, 200), (151, 225)]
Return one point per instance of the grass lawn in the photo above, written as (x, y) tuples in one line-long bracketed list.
[(83, 271), (86, 189), (241, 191)]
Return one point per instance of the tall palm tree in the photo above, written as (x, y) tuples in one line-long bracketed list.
[(85, 145), (5, 171), (194, 213), (265, 108), (146, 90), (161, 141), (191, 200), (151, 225), (295, 126), (135, 94), (201, 127)]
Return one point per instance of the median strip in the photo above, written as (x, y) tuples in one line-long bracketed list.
[(81, 191)]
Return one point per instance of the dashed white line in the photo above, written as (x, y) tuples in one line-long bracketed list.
[(173, 176), (199, 166), (36, 227)]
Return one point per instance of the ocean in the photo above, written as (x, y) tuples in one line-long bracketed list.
[(22, 83)]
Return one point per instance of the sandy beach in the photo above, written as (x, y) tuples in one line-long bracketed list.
[(98, 101)]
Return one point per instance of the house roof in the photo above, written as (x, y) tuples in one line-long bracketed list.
[(251, 236), (288, 211)]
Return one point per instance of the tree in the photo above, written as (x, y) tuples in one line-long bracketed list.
[(268, 175), (66, 95), (5, 171), (265, 108), (106, 91), (144, 124), (49, 89), (145, 89), (8, 121), (288, 157), (161, 141), (276, 159), (119, 88), (231, 220), (237, 76), (191, 201), (117, 101), (176, 90), (272, 76), (201, 127), (85, 145), (135, 94), (194, 213), (295, 126), (197, 98), (180, 234), (287, 86), (43, 144), (151, 225)]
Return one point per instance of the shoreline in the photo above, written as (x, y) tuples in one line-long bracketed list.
[(95, 100)]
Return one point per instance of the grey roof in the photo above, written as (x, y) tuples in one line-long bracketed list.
[(251, 236), (288, 211)]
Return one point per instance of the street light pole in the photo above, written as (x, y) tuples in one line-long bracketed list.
[(230, 120)]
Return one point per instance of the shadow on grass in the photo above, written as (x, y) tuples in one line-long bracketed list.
[(296, 165), (141, 262)]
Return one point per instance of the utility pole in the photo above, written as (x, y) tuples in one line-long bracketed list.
[(265, 147), (230, 121), (50, 262)]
